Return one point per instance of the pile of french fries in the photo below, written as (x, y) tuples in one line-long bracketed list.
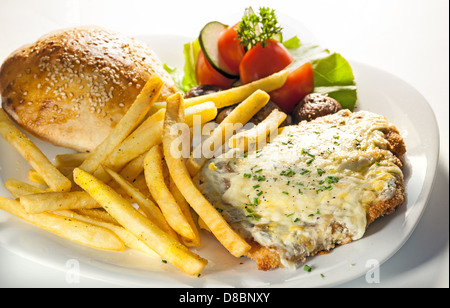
[(133, 191)]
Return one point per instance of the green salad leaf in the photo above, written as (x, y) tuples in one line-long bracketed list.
[(186, 79), (292, 43), (333, 74)]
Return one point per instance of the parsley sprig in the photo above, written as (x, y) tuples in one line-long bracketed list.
[(254, 29)]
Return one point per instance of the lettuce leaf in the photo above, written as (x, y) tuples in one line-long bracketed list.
[(186, 79), (292, 43), (333, 74)]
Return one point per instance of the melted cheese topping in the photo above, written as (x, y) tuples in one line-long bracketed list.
[(309, 188)]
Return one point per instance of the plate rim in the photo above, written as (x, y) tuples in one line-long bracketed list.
[(425, 194)]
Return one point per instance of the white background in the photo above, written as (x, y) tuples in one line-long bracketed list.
[(408, 38)]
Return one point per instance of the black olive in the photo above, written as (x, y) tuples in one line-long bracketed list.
[(265, 111), (202, 90), (223, 113), (315, 105)]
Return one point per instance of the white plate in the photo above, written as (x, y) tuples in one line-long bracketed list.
[(378, 92)]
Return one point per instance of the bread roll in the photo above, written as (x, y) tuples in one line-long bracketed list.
[(71, 87)]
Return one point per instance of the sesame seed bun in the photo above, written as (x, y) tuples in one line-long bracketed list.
[(71, 87)]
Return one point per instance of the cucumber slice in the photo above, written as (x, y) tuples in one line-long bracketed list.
[(278, 37), (208, 39)]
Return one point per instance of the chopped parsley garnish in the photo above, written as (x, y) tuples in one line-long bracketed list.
[(254, 216), (288, 143), (288, 172), (249, 210), (329, 187), (307, 153), (259, 178), (258, 28), (332, 179)]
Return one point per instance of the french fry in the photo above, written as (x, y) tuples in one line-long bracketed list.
[(240, 115), (70, 160), (52, 201), (128, 238), (36, 178), (137, 143), (72, 229), (165, 171), (33, 155), (150, 209), (148, 123), (154, 177), (133, 169), (186, 209), (202, 225), (99, 214), (101, 174), (206, 112), (66, 171), (141, 184), (18, 188), (234, 243), (257, 135), (136, 223), (238, 94), (125, 126)]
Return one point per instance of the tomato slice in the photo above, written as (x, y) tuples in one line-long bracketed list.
[(260, 62), (299, 83), (230, 49), (207, 75)]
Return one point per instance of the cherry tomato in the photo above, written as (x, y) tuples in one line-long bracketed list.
[(206, 74), (299, 83), (260, 62), (230, 50)]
